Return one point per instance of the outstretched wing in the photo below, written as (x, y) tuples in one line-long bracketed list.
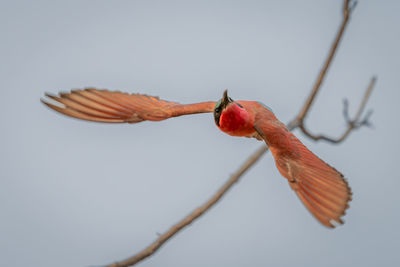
[(116, 107), (320, 187)]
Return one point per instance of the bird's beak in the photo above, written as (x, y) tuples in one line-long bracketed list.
[(225, 99)]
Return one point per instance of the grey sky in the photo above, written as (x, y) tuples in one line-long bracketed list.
[(74, 193)]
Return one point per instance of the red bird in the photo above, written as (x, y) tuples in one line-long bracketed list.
[(321, 188)]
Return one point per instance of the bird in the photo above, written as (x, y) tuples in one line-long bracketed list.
[(321, 188)]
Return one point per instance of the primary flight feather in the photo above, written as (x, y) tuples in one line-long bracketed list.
[(320, 187)]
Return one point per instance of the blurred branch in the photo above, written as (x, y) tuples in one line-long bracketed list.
[(348, 7), (352, 124), (194, 214), (297, 122)]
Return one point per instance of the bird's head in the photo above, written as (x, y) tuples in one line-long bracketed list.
[(221, 105)]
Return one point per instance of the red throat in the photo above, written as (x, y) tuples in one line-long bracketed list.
[(236, 121)]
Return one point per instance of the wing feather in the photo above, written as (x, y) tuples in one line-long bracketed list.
[(91, 97), (116, 107), (322, 200), (322, 189), (313, 208)]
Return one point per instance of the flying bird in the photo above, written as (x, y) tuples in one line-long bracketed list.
[(322, 189)]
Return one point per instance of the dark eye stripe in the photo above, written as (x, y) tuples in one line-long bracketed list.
[(238, 104)]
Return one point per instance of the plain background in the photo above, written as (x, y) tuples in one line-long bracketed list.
[(74, 193)]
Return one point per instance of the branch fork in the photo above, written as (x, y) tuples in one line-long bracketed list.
[(297, 122)]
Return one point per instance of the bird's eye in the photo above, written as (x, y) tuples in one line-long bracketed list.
[(218, 110)]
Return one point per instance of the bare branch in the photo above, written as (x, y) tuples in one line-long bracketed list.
[(297, 122), (352, 124), (347, 9), (194, 214), (356, 123)]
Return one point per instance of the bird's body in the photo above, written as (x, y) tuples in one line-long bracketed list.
[(321, 188)]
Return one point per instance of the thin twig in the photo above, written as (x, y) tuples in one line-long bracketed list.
[(347, 9), (152, 248), (352, 124), (356, 123), (194, 214)]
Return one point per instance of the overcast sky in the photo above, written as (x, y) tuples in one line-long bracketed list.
[(74, 193)]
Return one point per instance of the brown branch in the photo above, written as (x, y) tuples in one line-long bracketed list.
[(348, 7), (356, 123), (194, 214), (352, 124), (152, 248)]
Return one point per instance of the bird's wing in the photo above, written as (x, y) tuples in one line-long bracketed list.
[(320, 187), (116, 107)]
